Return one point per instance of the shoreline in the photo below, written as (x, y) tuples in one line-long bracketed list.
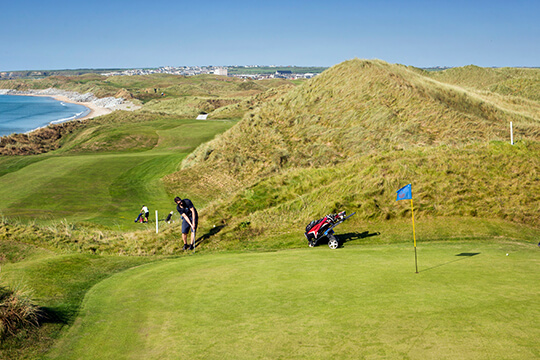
[(94, 110), (96, 106)]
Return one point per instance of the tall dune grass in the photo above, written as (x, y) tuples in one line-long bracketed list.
[(359, 131), (18, 312)]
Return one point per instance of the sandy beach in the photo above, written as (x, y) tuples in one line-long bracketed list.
[(97, 107), (95, 110)]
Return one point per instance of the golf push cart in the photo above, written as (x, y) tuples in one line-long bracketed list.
[(324, 228)]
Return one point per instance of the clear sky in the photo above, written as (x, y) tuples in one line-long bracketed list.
[(61, 34)]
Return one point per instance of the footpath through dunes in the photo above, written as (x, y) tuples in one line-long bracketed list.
[(517, 82), (355, 108), (353, 135), (468, 301)]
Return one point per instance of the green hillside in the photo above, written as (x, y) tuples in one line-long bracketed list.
[(349, 138), (104, 172), (345, 140), (523, 83), (151, 87)]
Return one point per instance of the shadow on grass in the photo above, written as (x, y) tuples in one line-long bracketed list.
[(208, 235), (462, 255), (49, 315), (343, 238)]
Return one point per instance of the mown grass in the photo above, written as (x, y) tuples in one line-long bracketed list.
[(58, 285), (104, 173), (81, 199), (468, 301), (346, 140)]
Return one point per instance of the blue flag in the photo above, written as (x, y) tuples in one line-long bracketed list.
[(404, 193)]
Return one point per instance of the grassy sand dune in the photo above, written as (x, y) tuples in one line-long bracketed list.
[(351, 137), (345, 140)]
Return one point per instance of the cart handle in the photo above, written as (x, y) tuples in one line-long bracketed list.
[(336, 224)]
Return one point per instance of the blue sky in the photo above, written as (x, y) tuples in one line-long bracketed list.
[(57, 34)]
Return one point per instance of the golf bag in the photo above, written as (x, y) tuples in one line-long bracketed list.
[(317, 229)]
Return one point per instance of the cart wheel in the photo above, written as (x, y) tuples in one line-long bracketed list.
[(332, 242)]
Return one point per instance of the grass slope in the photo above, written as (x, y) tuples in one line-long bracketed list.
[(352, 136), (354, 108), (469, 301), (345, 140), (103, 174), (58, 284), (523, 83), (149, 88)]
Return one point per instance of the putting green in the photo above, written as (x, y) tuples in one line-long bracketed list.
[(469, 301)]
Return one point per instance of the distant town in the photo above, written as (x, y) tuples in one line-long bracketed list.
[(246, 72), (254, 72)]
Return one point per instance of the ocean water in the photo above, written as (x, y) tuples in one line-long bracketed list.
[(20, 114)]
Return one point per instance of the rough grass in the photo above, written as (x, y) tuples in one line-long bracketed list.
[(358, 132), (355, 108), (37, 142), (18, 312), (346, 140), (505, 81), (189, 107)]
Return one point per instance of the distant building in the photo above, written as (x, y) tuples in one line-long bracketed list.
[(221, 71), (283, 74)]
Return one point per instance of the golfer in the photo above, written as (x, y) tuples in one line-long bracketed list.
[(144, 213), (190, 220)]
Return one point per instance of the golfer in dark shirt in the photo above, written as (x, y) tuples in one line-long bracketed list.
[(190, 220)]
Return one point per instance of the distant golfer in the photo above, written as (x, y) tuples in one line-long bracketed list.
[(143, 214), (190, 220), (146, 213)]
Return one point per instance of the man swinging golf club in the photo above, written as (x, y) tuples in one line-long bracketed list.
[(190, 220)]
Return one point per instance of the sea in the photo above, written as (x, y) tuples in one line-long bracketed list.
[(21, 114)]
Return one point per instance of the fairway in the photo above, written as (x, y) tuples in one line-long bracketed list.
[(107, 187), (469, 301)]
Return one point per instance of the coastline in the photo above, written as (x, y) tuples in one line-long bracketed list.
[(96, 106), (94, 110)]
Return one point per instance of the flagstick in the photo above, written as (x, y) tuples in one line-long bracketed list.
[(414, 236)]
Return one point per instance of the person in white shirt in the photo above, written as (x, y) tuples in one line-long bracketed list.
[(144, 214)]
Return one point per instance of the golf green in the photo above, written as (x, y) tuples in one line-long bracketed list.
[(468, 301)]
